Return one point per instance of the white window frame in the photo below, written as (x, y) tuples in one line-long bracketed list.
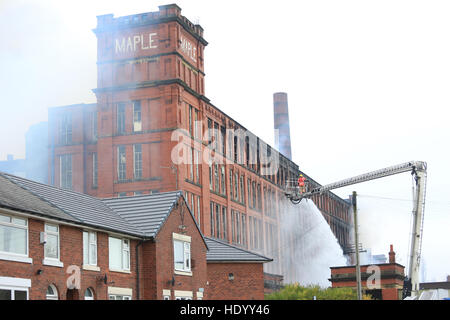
[(89, 297), (54, 296), (15, 284), (13, 256), (50, 261), (166, 294), (121, 166), (125, 249), (137, 116), (124, 293), (90, 242), (115, 296), (137, 161), (186, 243), (183, 295)]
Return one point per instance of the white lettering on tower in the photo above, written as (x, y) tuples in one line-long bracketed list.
[(187, 47), (135, 42)]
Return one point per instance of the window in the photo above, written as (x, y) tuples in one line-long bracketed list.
[(190, 120), (90, 248), (216, 177), (137, 151), (210, 131), (89, 294), (244, 229), (224, 222), (191, 164), (13, 294), (210, 176), (222, 180), (254, 194), (231, 184), (13, 235), (196, 160), (121, 163), (66, 128), (119, 254), (65, 168), (94, 126), (182, 255), (242, 189), (198, 210), (216, 137), (212, 218), (119, 297), (249, 188), (94, 170), (52, 293), (51, 247), (137, 118), (223, 138), (218, 228), (121, 118), (236, 185)]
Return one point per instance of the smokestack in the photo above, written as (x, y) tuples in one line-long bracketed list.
[(392, 255), (281, 123)]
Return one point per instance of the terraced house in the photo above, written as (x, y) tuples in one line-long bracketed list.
[(61, 244)]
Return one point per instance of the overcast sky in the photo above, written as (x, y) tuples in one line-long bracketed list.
[(367, 82)]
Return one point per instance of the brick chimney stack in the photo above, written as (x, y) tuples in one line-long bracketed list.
[(281, 123), (392, 255)]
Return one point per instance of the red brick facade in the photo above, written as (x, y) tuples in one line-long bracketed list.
[(71, 254)]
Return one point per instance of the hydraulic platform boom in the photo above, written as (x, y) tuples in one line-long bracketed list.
[(419, 170)]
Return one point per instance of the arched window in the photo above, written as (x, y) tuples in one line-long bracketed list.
[(88, 294), (52, 293)]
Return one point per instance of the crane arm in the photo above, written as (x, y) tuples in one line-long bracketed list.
[(419, 170), (389, 171)]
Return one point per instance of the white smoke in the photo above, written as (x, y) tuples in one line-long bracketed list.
[(309, 246)]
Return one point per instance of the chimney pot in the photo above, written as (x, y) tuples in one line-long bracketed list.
[(392, 255)]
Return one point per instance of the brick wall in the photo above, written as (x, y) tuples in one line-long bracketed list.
[(71, 253), (248, 283), (159, 262)]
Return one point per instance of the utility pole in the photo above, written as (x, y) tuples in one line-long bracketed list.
[(357, 267)]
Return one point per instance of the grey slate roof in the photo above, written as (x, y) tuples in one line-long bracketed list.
[(146, 212), (224, 252), (14, 197), (71, 205)]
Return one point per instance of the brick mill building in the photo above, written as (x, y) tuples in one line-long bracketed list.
[(151, 107), (61, 244)]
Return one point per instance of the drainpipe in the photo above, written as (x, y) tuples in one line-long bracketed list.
[(138, 289)]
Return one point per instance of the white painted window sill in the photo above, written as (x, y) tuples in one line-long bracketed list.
[(15, 258), (183, 273), (120, 271), (90, 268), (52, 262)]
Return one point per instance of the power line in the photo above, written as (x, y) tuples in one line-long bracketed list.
[(406, 200)]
